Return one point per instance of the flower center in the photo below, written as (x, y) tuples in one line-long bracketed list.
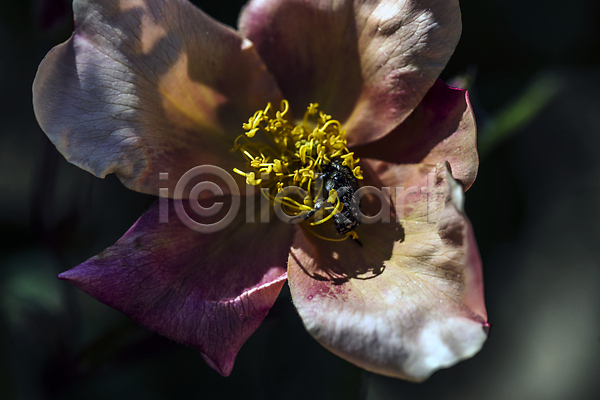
[(305, 168)]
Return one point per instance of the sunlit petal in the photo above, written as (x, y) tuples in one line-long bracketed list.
[(408, 301), (144, 87), (368, 63)]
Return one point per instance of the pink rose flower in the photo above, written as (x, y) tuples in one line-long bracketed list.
[(149, 87)]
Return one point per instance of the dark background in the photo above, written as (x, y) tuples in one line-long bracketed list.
[(533, 70)]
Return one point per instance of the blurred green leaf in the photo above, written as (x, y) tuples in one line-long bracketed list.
[(518, 113), (30, 287)]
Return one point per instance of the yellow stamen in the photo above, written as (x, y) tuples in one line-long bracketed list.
[(295, 155)]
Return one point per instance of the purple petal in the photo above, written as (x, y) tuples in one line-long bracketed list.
[(409, 301), (441, 128), (210, 291), (367, 63), (144, 87)]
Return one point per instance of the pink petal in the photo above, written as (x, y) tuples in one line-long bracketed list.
[(210, 291), (148, 87), (441, 128), (410, 300), (367, 63)]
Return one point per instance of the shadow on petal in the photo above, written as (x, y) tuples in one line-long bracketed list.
[(364, 258), (289, 36)]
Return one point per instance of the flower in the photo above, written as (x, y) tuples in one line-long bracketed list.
[(149, 87)]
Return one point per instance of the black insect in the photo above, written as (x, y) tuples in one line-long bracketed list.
[(340, 178)]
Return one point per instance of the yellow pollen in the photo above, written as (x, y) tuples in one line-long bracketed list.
[(287, 155)]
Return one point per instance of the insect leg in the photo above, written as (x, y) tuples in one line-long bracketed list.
[(319, 204)]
